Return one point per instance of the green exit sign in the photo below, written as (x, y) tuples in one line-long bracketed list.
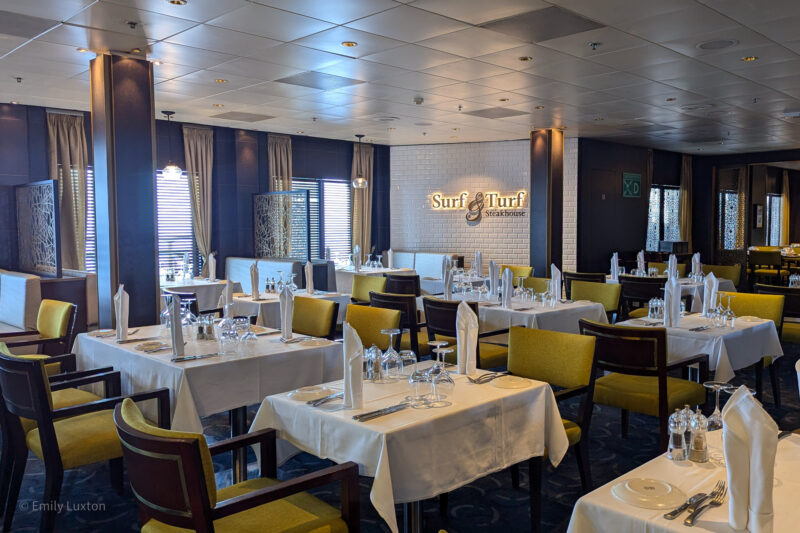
[(631, 185)]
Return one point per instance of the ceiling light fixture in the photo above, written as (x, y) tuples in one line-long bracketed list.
[(671, 99), (525, 58), (13, 102), (171, 171), (539, 107), (359, 182), (503, 100), (219, 105), (717, 44), (349, 44), (749, 59), (178, 2), (220, 80), (136, 50), (83, 50), (300, 132), (156, 63), (594, 45)]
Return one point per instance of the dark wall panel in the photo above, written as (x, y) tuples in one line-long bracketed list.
[(321, 158), (381, 210), (224, 199), (247, 177)]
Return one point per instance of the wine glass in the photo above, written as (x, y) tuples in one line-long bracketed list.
[(484, 290), (730, 317), (379, 262), (390, 361), (292, 284), (279, 286), (715, 420), (442, 383)]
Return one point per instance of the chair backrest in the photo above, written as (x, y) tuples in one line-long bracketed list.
[(663, 266), (637, 291), (401, 284), (363, 285), (764, 259), (170, 472), (191, 297), (25, 387), (314, 316), (517, 271), (441, 315), (766, 306), (569, 277), (405, 303), (602, 293), (636, 351), (731, 272), (57, 320), (561, 359), (369, 321), (538, 285), (791, 302)]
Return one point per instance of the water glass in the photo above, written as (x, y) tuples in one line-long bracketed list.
[(409, 359), (420, 386)]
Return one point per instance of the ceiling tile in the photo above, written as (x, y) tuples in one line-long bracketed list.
[(671, 70), (613, 12), (167, 71), (651, 54), (17, 25), (319, 80), (222, 40), (407, 24), (472, 42), (464, 90), (604, 82), (752, 12), (479, 11), (510, 58), (759, 73), (338, 12), (41, 50), (186, 55), (502, 99), (696, 20), (269, 22), (570, 70), (605, 39), (9, 43), (189, 89), (543, 25), (210, 77), (417, 81), (252, 68), (282, 90), (113, 17), (513, 81), (300, 57), (467, 70), (412, 57), (767, 54), (93, 39), (59, 10), (195, 10), (740, 37), (331, 41), (362, 70)]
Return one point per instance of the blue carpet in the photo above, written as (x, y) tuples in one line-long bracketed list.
[(488, 504)]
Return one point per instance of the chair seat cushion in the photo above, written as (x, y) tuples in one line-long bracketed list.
[(638, 313), (422, 339), (63, 398), (770, 272), (640, 393), (573, 431), (298, 512), (791, 332), (83, 439)]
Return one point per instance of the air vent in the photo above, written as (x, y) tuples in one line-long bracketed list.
[(386, 119), (495, 112), (543, 25), (319, 80), (718, 44), (242, 117), (696, 107), (23, 25)]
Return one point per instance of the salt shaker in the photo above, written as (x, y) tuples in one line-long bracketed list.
[(698, 449), (688, 414), (677, 440)]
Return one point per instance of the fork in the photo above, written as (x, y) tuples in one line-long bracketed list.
[(717, 497), (486, 378)]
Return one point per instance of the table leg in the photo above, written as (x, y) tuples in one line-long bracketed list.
[(238, 420), (412, 517), (535, 477)]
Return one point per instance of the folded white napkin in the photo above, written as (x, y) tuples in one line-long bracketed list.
[(508, 288), (494, 277), (357, 258), (353, 369), (672, 266), (448, 284), (640, 264), (254, 280), (672, 303), (467, 338), (749, 442), (212, 267), (477, 264), (615, 266), (175, 326), (555, 282), (309, 278), (390, 258), (226, 298), (287, 304), (710, 289), (697, 266), (121, 309), (446, 265)]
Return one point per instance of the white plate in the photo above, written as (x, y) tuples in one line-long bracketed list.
[(313, 392), (584, 302), (748, 318), (510, 382), (314, 343), (648, 493)]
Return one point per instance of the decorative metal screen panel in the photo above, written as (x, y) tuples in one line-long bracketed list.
[(729, 220), (774, 208), (281, 224), (654, 220), (672, 206), (38, 229)]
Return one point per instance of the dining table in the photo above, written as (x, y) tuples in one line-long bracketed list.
[(695, 289), (344, 275), (207, 291), (419, 453), (601, 511), (728, 348), (267, 307), (436, 285)]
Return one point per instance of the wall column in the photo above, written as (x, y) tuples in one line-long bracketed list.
[(547, 193), (123, 128)]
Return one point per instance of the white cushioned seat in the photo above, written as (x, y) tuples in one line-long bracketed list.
[(91, 294), (20, 296)]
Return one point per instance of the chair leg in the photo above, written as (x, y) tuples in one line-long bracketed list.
[(18, 462), (6, 466), (444, 499), (514, 469), (776, 384), (535, 481), (624, 423), (115, 472), (759, 369), (52, 493), (582, 455), (663, 435)]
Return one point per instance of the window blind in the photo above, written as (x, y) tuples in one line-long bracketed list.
[(174, 218)]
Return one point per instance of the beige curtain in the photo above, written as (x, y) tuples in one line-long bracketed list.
[(279, 154), (361, 199), (198, 148), (785, 222), (741, 191), (68, 165), (685, 218)]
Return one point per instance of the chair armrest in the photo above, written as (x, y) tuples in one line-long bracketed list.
[(565, 394), (18, 334), (161, 395), (38, 340), (493, 333), (66, 376), (265, 438), (347, 473), (111, 383), (67, 361)]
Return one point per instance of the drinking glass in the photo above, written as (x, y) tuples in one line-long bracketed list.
[(442, 383), (292, 284), (390, 361), (485, 290), (409, 359), (228, 337), (715, 420), (420, 386), (379, 262), (730, 316)]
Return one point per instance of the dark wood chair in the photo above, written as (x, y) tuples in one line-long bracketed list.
[(55, 329), (635, 360), (765, 265), (569, 277), (415, 340), (440, 318), (637, 291), (400, 284), (64, 437), (170, 477)]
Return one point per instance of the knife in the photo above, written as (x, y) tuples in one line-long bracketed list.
[(364, 417), (320, 401), (128, 341), (192, 357)]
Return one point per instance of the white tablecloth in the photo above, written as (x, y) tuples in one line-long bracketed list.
[(600, 512), (207, 386), (728, 349), (344, 276), (696, 290), (208, 292), (268, 307), (416, 454)]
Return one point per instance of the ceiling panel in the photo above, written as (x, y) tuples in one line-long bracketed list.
[(543, 25), (412, 57), (112, 17), (695, 20), (300, 57), (255, 69), (331, 41), (93, 39), (9, 43), (467, 70), (226, 41), (269, 22), (186, 55), (338, 12), (408, 24), (616, 12), (480, 11), (363, 70), (472, 42), (59, 10), (195, 10)]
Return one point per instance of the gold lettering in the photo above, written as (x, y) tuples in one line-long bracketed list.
[(436, 201)]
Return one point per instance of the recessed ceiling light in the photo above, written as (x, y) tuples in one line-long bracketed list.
[(503, 100), (453, 137), (390, 129), (300, 132), (83, 50), (525, 58), (136, 50), (14, 102), (156, 62), (349, 44), (671, 99), (748, 59), (219, 105), (178, 2), (539, 107), (717, 44), (598, 119), (220, 80), (456, 129)]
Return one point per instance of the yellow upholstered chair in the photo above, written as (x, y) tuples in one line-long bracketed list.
[(568, 277), (65, 437), (517, 271), (363, 285), (731, 272), (369, 321), (635, 360), (602, 293), (663, 266), (765, 265), (538, 285), (55, 331), (767, 307), (314, 316), (566, 362), (172, 477), (790, 331), (413, 337)]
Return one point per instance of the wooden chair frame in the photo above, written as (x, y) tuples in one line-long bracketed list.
[(569, 277), (50, 345), (407, 305), (403, 284)]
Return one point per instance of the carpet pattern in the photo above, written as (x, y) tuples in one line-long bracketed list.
[(488, 504)]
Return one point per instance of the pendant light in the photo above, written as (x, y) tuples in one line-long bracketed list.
[(171, 171), (359, 182)]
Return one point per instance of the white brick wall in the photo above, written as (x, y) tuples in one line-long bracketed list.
[(421, 170), (569, 255)]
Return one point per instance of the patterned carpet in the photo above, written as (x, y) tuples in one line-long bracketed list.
[(488, 504)]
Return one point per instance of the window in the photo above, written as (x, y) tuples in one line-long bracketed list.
[(729, 220), (91, 223), (663, 218), (774, 207), (329, 205), (174, 218)]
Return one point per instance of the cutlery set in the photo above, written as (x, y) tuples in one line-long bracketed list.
[(114, 334), (700, 328), (293, 340), (371, 415), (486, 378), (161, 349), (326, 399), (192, 357), (698, 503)]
